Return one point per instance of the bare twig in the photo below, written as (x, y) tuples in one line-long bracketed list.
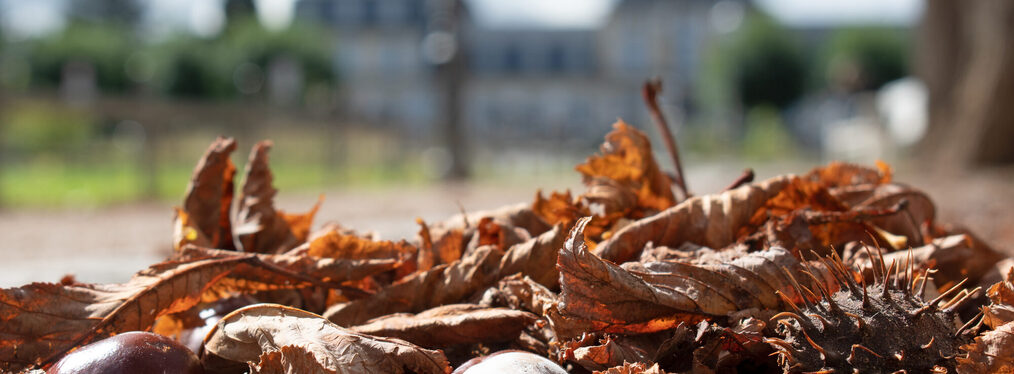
[(650, 91), (744, 178)]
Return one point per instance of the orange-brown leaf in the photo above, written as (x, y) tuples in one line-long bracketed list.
[(186, 232), (209, 197), (991, 352), (259, 226), (446, 248), (1001, 297), (839, 174), (558, 208), (626, 158)]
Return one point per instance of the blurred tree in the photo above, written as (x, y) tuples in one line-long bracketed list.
[(966, 58), (192, 72), (307, 43), (239, 12), (872, 55), (197, 68), (104, 47), (766, 64)]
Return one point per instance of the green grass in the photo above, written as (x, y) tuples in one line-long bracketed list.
[(51, 184)]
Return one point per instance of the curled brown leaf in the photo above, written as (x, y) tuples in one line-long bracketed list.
[(259, 226), (991, 352), (710, 220), (249, 333), (450, 325), (658, 296), (204, 217)]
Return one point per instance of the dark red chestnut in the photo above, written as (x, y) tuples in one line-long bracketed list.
[(130, 352), (510, 362)]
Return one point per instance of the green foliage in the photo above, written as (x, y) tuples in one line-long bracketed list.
[(189, 67), (879, 54), (104, 47), (759, 64), (198, 68), (307, 43), (182, 65), (768, 66)]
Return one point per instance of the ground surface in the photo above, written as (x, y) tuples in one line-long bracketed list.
[(110, 244)]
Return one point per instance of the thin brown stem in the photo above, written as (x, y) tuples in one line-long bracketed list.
[(650, 92), (744, 178)]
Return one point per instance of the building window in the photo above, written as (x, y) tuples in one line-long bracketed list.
[(557, 58), (370, 12), (512, 59)]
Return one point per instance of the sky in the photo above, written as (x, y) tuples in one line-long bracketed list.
[(204, 17)]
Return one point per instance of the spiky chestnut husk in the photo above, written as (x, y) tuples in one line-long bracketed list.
[(884, 326)]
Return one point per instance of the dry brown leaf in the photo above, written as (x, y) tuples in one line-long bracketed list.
[(332, 270), (658, 296), (336, 244), (711, 221), (42, 321), (185, 231), (342, 245), (247, 334), (558, 208), (991, 352), (499, 234), (204, 218), (452, 324), (607, 354), (953, 257), (444, 246), (919, 211), (289, 359), (633, 368), (452, 283), (444, 284), (259, 226), (519, 292), (515, 215), (536, 258), (839, 174), (626, 158), (1001, 297)]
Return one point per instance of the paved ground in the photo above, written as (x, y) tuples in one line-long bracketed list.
[(110, 244)]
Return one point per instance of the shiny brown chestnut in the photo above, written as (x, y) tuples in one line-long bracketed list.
[(510, 362), (130, 352)]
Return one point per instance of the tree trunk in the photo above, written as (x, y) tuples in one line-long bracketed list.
[(966, 58)]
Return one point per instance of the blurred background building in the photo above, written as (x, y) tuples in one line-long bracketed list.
[(111, 100)]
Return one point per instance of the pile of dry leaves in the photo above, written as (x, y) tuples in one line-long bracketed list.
[(836, 270)]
